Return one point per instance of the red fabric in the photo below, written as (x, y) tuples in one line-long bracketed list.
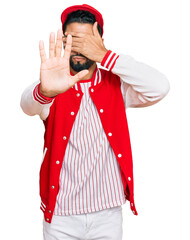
[(85, 7), (112, 60), (113, 64), (105, 58), (39, 97), (107, 96)]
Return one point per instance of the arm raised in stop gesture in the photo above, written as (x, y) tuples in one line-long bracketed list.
[(55, 75)]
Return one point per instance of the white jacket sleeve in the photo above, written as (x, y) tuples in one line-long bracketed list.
[(34, 103), (141, 84)]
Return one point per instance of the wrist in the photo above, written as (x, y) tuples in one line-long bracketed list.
[(38, 96), (47, 95), (102, 55)]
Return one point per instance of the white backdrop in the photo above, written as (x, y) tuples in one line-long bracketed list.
[(155, 32)]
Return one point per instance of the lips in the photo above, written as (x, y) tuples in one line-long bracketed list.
[(78, 58)]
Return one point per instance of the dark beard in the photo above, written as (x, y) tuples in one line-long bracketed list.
[(79, 67)]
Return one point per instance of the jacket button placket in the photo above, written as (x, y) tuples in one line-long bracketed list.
[(49, 211)]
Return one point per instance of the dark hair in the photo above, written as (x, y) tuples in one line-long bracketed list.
[(81, 16)]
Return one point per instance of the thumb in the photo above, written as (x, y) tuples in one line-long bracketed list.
[(95, 29), (77, 77)]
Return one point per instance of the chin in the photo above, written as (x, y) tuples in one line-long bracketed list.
[(81, 66)]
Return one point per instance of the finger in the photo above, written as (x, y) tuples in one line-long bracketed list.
[(78, 40), (42, 51), (74, 40), (52, 45), (58, 46), (77, 77), (75, 34), (67, 51), (77, 44), (76, 49)]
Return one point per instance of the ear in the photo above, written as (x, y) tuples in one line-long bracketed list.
[(95, 30)]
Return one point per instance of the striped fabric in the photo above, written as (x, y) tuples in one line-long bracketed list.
[(39, 97), (90, 178), (43, 206), (109, 60)]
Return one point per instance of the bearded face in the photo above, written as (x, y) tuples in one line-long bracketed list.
[(79, 62)]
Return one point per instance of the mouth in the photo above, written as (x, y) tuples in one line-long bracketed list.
[(76, 58)]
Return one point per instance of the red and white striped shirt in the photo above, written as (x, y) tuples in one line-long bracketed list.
[(90, 178)]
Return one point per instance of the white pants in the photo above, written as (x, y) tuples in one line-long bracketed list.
[(102, 225)]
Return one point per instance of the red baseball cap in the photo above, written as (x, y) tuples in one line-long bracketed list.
[(84, 7)]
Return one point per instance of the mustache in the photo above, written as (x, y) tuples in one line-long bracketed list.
[(78, 55)]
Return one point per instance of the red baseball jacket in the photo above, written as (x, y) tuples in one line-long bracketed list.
[(109, 102)]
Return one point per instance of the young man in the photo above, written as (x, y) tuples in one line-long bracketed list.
[(87, 169)]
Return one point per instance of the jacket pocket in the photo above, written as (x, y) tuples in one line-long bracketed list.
[(44, 154)]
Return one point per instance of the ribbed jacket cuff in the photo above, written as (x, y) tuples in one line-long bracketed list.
[(109, 60), (39, 97)]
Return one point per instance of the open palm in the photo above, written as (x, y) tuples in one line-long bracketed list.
[(55, 75)]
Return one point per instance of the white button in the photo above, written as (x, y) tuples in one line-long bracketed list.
[(72, 113), (101, 110), (64, 137), (49, 211), (47, 219), (92, 90), (129, 178), (119, 155), (109, 134), (52, 187), (57, 162), (132, 204), (78, 94), (134, 212)]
